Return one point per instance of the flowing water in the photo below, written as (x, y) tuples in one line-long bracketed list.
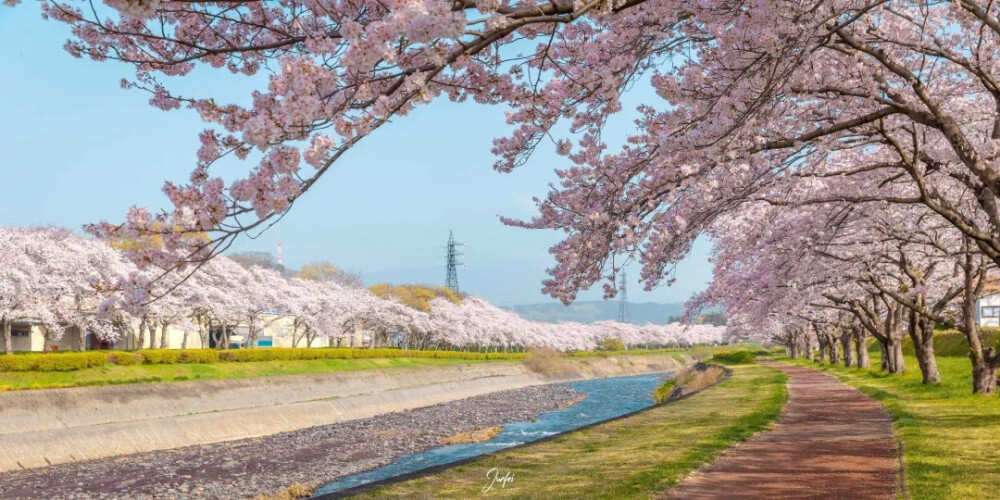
[(607, 398)]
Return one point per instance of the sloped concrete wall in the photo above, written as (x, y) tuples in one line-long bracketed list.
[(39, 428)]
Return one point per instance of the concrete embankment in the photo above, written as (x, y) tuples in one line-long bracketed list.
[(39, 428)]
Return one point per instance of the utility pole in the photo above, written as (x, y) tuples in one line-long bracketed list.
[(451, 274), (623, 299)]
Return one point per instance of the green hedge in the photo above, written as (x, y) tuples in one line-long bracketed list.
[(46, 363), (171, 356), (124, 358), (69, 361)]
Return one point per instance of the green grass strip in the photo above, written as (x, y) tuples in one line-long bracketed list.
[(112, 374)]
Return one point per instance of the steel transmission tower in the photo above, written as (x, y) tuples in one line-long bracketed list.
[(451, 276), (623, 300)]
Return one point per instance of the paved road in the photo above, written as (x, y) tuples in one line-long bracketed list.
[(832, 441)]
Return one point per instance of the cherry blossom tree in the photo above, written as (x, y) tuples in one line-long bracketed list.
[(60, 280), (844, 271), (72, 283), (21, 283), (782, 104)]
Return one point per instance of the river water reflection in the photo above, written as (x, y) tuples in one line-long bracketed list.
[(607, 398)]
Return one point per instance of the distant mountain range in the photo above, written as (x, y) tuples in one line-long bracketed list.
[(598, 310)]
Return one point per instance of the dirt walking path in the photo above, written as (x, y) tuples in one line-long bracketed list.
[(831, 441)]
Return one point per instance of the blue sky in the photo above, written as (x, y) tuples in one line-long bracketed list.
[(76, 148)]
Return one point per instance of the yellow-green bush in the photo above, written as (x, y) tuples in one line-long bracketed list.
[(296, 353), (198, 356), (68, 361), (159, 356), (124, 358), (612, 345), (662, 393), (52, 363)]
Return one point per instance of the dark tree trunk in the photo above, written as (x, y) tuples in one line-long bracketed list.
[(792, 345), (922, 334), (884, 347), (217, 336), (845, 345), (831, 342), (894, 359), (861, 345), (984, 361), (823, 341), (984, 372)]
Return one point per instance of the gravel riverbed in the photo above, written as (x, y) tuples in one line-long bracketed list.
[(250, 467)]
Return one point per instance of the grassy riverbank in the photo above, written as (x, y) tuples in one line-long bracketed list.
[(90, 368), (112, 374), (628, 458), (951, 438), (152, 366)]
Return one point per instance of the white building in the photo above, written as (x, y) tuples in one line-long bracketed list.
[(988, 309), (30, 336)]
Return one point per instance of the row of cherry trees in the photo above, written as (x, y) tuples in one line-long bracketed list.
[(833, 275), (71, 283), (843, 155)]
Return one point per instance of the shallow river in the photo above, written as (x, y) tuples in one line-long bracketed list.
[(607, 398)]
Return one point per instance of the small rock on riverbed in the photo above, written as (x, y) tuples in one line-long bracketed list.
[(250, 467)]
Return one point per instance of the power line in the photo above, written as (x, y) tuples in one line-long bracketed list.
[(451, 273)]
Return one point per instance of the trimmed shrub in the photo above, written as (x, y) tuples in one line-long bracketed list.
[(198, 356), (303, 353), (124, 358), (69, 361), (160, 356), (47, 363)]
